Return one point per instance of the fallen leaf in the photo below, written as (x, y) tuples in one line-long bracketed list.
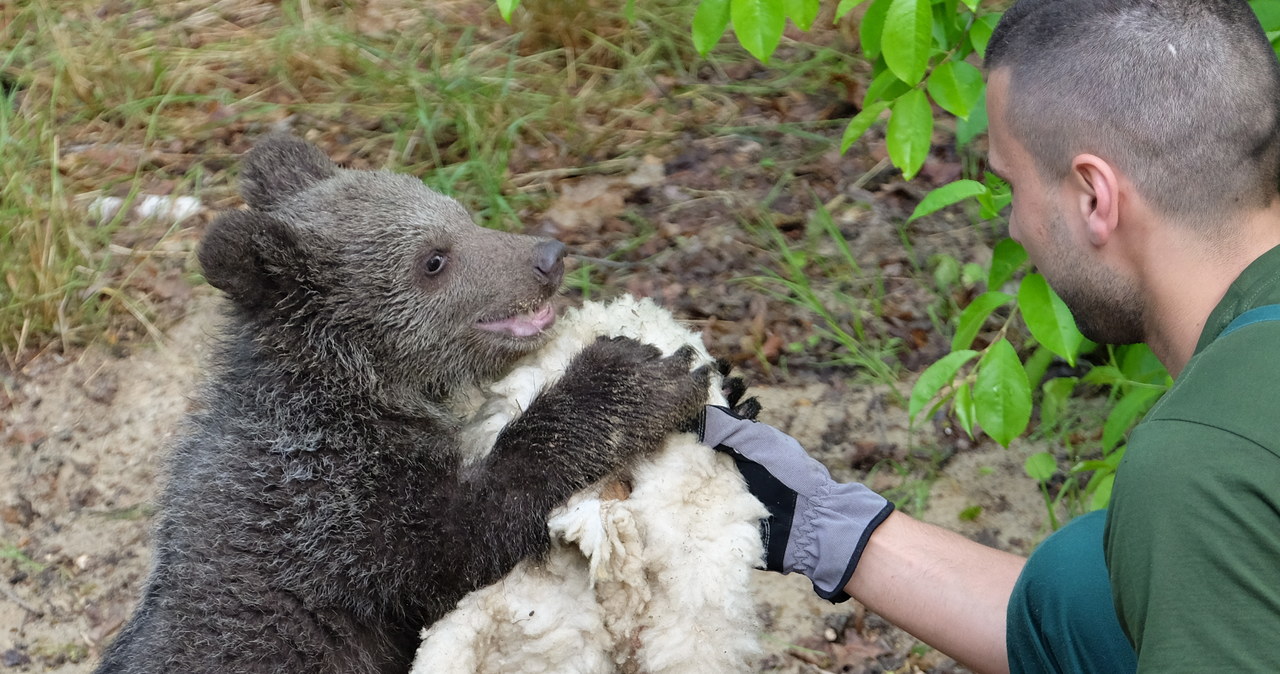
[(586, 203), (651, 172), (855, 650)]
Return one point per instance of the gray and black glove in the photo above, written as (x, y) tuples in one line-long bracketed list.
[(816, 526)]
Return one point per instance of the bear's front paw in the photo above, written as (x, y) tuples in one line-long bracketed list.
[(733, 388), (672, 387), (649, 394)]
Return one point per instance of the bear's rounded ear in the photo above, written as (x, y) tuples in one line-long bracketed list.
[(279, 166), (252, 257)]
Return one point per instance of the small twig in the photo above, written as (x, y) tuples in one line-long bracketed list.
[(13, 596), (601, 262), (608, 166), (138, 314), (123, 250), (875, 170)]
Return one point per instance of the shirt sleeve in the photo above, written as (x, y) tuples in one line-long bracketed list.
[(1193, 549)]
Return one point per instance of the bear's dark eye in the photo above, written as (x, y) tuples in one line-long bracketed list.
[(434, 263)]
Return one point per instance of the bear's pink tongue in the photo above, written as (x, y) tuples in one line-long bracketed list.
[(524, 325)]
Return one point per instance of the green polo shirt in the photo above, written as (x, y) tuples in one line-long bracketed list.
[(1192, 541)]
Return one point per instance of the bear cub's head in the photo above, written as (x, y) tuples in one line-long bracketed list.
[(371, 281)]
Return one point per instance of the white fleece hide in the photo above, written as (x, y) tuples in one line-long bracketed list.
[(655, 583)]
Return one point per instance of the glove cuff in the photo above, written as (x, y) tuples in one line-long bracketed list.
[(838, 595), (831, 530)]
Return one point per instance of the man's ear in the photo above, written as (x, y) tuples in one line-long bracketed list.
[(280, 166), (254, 258), (1097, 187)]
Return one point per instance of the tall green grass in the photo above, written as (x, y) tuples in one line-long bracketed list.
[(821, 274)]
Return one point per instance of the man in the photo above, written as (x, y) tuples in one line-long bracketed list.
[(1142, 142)]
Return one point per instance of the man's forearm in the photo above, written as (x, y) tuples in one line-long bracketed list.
[(943, 588)]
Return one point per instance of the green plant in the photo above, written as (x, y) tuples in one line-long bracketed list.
[(991, 389), (24, 562), (843, 304), (996, 393)]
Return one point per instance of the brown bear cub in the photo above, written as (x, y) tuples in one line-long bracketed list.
[(318, 511)]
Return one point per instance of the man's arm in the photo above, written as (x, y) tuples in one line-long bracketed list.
[(943, 588)]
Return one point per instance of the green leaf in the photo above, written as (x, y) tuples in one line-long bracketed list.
[(975, 315), (1001, 393), (980, 32), (1107, 464), (884, 87), (1102, 492), (971, 4), (998, 197), (1041, 466), (1104, 474), (1084, 466), (948, 24), (1138, 363), (971, 513), (1056, 393), (934, 377), (709, 24), (1006, 258), (908, 36), (1037, 364), (871, 30), (845, 7), (1048, 318), (972, 274), (860, 123), (505, 7), (962, 407), (1115, 457), (946, 195), (1127, 411), (910, 132), (968, 129), (956, 87), (946, 271), (1104, 375), (802, 12), (1268, 12), (758, 25)]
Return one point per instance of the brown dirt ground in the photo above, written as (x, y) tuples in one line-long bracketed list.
[(87, 437)]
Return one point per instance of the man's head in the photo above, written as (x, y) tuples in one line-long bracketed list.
[(1183, 96), (1098, 104)]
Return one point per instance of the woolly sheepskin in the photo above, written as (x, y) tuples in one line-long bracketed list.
[(655, 581)]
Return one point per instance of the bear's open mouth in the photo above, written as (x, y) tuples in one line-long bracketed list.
[(523, 325)]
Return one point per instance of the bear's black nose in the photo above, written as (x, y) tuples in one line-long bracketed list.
[(548, 259)]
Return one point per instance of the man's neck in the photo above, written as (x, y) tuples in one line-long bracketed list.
[(1187, 273)]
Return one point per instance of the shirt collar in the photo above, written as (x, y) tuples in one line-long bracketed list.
[(1258, 285)]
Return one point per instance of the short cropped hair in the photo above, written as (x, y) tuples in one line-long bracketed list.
[(1182, 95)]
